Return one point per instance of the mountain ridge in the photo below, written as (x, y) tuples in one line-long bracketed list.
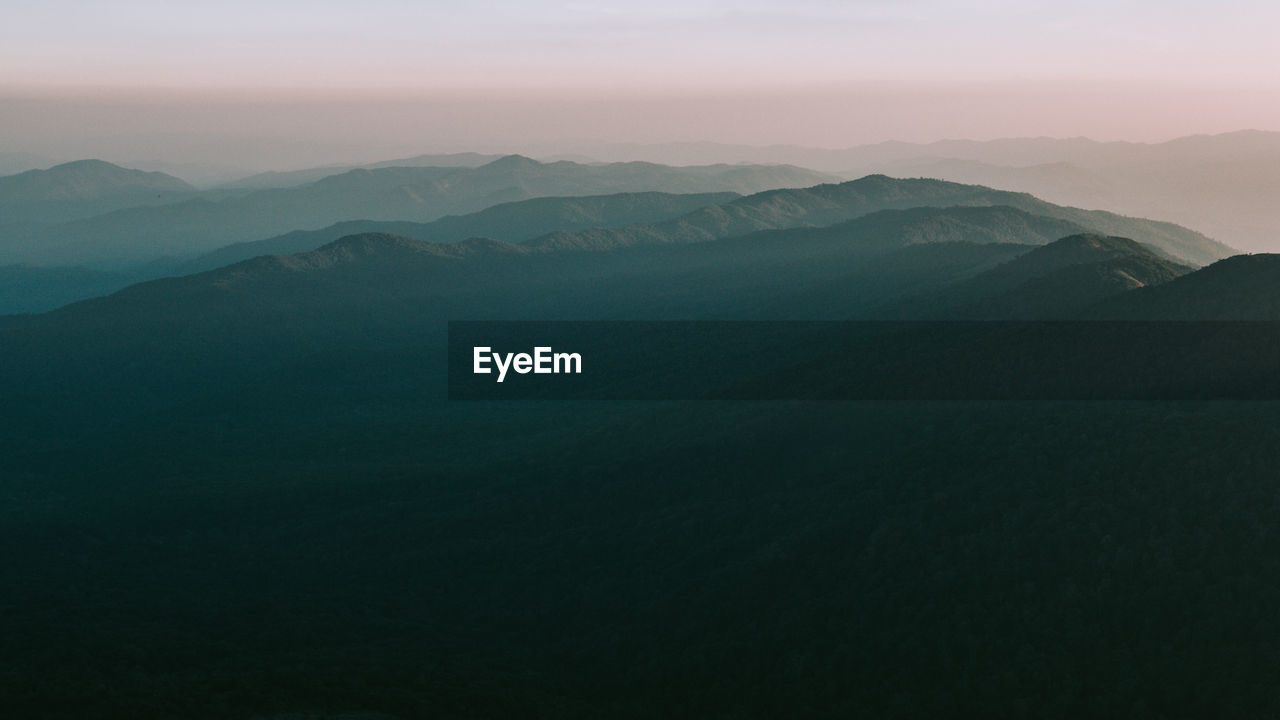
[(831, 203), (516, 221), (82, 188), (1054, 281), (204, 223)]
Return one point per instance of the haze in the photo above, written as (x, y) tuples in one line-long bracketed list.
[(286, 84)]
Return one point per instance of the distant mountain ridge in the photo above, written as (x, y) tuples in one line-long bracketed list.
[(378, 291), (510, 222), (199, 225), (1011, 151), (610, 222), (829, 204), (80, 189), (84, 180), (294, 178), (1224, 185)]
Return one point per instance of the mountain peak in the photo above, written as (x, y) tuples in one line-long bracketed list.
[(513, 162), (1090, 247), (87, 180), (369, 242), (92, 169), (86, 164)]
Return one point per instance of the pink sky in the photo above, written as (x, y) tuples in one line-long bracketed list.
[(390, 75)]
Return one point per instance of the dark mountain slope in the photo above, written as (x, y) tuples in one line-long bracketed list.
[(376, 291), (1244, 287), (1054, 281)]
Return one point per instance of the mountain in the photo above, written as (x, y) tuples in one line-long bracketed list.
[(379, 291), (828, 204), (1057, 280), (37, 289), (1009, 152), (1224, 185), (1060, 182), (623, 220), (399, 193), (1229, 199), (1244, 287), (294, 178), (510, 222), (882, 157), (81, 189)]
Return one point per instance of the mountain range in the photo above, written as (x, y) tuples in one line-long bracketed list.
[(828, 204), (509, 222), (379, 291), (294, 178), (1223, 185), (205, 222), (29, 288), (598, 222)]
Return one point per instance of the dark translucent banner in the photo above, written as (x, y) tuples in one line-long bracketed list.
[(864, 360)]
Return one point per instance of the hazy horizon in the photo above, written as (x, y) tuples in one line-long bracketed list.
[(289, 84)]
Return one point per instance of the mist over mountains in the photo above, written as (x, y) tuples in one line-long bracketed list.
[(379, 291), (294, 178), (210, 220), (155, 241), (1223, 185)]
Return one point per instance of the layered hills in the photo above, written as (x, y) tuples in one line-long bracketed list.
[(378, 290), (830, 204), (139, 234), (294, 178), (1225, 185), (509, 222), (632, 219)]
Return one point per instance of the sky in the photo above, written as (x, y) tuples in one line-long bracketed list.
[(346, 79)]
